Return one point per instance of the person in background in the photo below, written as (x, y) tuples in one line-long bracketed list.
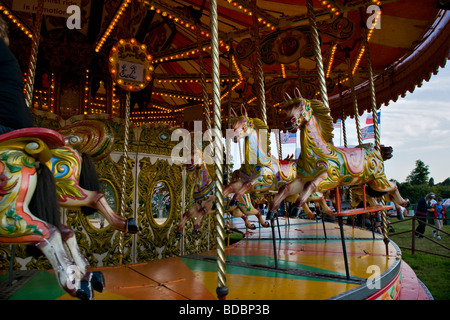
[(14, 113), (439, 215), (423, 206)]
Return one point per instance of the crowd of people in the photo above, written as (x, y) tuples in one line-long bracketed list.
[(430, 206)]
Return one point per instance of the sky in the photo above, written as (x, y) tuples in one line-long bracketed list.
[(416, 126)]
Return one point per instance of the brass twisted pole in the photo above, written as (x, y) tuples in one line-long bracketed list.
[(341, 100), (31, 73), (124, 171), (228, 141), (344, 130), (376, 130), (317, 53), (203, 81), (355, 101), (259, 74), (373, 101), (230, 105), (222, 289), (205, 103)]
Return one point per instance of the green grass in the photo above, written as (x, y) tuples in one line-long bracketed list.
[(432, 270)]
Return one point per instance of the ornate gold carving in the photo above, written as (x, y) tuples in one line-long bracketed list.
[(153, 241), (158, 236)]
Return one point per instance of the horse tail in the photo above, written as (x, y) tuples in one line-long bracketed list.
[(386, 152), (88, 179), (44, 203), (88, 175)]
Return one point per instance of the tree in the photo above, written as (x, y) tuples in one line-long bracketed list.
[(419, 175), (431, 182)]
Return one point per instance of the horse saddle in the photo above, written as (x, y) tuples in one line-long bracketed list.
[(286, 168), (35, 141), (354, 157)]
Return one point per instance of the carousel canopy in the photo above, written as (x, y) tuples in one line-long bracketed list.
[(407, 41)]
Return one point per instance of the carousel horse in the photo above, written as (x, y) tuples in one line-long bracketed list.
[(203, 195), (321, 166), (76, 179), (267, 174), (29, 210)]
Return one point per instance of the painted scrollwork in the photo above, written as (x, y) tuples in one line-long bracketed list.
[(155, 236)]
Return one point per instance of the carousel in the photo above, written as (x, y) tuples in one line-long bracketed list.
[(125, 188)]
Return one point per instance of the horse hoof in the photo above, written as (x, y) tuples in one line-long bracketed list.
[(97, 281), (85, 291), (179, 235), (132, 226), (233, 202), (252, 227), (195, 232), (407, 203)]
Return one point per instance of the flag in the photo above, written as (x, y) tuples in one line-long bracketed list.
[(288, 137), (337, 125), (367, 132), (369, 119)]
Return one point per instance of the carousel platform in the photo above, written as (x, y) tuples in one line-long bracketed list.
[(310, 266)]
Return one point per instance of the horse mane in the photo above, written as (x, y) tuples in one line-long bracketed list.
[(259, 124), (322, 114)]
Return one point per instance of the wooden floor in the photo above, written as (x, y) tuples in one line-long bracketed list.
[(310, 267)]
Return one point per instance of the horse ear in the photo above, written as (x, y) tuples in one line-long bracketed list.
[(287, 97), (297, 93), (233, 113), (244, 111)]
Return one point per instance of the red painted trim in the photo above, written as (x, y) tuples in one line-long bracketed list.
[(386, 287)]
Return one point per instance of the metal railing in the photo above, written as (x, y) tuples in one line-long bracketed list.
[(415, 233)]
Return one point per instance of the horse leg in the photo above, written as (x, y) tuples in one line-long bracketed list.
[(95, 278), (97, 201), (119, 223), (308, 211), (192, 212), (295, 187), (261, 220), (323, 204), (392, 190), (240, 189), (257, 213), (239, 213), (68, 274), (309, 188), (203, 212), (232, 188), (68, 238)]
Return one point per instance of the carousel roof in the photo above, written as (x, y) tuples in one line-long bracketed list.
[(409, 43)]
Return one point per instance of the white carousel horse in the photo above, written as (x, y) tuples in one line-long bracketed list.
[(321, 166), (29, 211)]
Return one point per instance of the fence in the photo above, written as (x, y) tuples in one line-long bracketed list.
[(414, 233)]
